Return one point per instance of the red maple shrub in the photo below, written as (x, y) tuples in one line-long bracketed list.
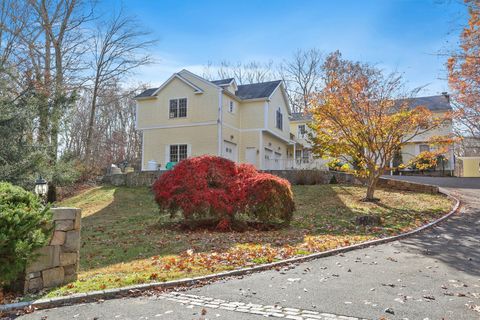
[(210, 187), (269, 198)]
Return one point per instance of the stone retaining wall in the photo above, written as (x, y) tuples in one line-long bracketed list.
[(307, 177), (133, 179), (295, 177), (406, 186), (57, 263)]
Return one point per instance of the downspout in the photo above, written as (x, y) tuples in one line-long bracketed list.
[(142, 167), (261, 152), (220, 122)]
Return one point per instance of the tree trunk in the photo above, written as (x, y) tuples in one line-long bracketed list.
[(371, 187), (58, 103), (91, 124)]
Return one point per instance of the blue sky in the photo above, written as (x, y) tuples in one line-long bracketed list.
[(401, 35)]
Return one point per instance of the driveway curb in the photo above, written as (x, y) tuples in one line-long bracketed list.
[(110, 293)]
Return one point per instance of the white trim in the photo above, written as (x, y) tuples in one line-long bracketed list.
[(261, 151), (219, 122), (199, 78), (266, 106), (242, 130), (254, 100), (193, 124), (231, 127), (167, 154), (273, 92), (142, 168), (261, 130), (289, 110), (279, 136), (168, 147), (179, 77), (232, 96), (178, 108)]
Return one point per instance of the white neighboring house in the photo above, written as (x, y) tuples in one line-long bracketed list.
[(438, 105)]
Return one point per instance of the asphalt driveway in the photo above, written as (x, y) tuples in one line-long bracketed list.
[(433, 275)]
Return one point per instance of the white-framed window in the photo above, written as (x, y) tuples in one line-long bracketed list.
[(424, 148), (178, 152), (279, 119), (231, 106), (301, 130), (306, 155), (298, 154), (178, 108)]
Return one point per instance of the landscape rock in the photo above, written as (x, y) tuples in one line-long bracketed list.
[(58, 238), (53, 277)]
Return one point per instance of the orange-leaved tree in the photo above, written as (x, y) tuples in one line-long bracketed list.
[(364, 117), (464, 73)]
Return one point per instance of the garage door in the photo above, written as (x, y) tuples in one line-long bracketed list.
[(229, 151)]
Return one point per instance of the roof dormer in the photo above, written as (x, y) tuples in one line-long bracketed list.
[(227, 84)]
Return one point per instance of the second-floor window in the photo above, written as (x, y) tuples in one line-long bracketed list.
[(178, 108), (424, 148), (231, 107), (279, 119), (301, 130)]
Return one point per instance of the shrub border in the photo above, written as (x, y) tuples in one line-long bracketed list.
[(111, 293)]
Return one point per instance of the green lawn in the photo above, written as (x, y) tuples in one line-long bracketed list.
[(126, 241)]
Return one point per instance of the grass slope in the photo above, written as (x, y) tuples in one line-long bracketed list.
[(125, 240)]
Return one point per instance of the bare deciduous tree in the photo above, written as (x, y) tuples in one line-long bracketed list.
[(118, 48), (301, 75), (244, 73)]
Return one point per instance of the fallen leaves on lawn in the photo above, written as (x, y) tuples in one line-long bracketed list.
[(251, 254)]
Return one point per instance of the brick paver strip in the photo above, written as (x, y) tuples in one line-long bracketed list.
[(267, 311), (111, 293)]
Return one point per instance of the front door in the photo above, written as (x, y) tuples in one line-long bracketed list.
[(251, 156), (278, 161)]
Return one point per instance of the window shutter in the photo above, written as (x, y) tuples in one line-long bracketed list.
[(189, 150)]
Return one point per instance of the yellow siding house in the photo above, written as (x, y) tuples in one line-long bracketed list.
[(191, 116), (252, 123)]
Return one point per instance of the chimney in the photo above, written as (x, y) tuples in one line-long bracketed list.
[(446, 95)]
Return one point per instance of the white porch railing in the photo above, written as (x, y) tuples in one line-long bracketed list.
[(290, 164)]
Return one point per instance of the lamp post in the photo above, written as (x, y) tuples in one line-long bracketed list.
[(41, 187)]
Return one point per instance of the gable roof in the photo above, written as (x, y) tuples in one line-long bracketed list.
[(151, 92), (222, 82), (433, 103), (146, 93), (257, 90), (261, 90), (299, 116)]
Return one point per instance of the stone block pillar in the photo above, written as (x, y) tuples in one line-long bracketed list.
[(57, 263)]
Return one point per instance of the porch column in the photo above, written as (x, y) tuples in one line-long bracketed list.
[(294, 155)]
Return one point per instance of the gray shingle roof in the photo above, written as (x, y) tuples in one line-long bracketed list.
[(222, 82), (257, 90), (297, 116), (146, 93), (433, 103)]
